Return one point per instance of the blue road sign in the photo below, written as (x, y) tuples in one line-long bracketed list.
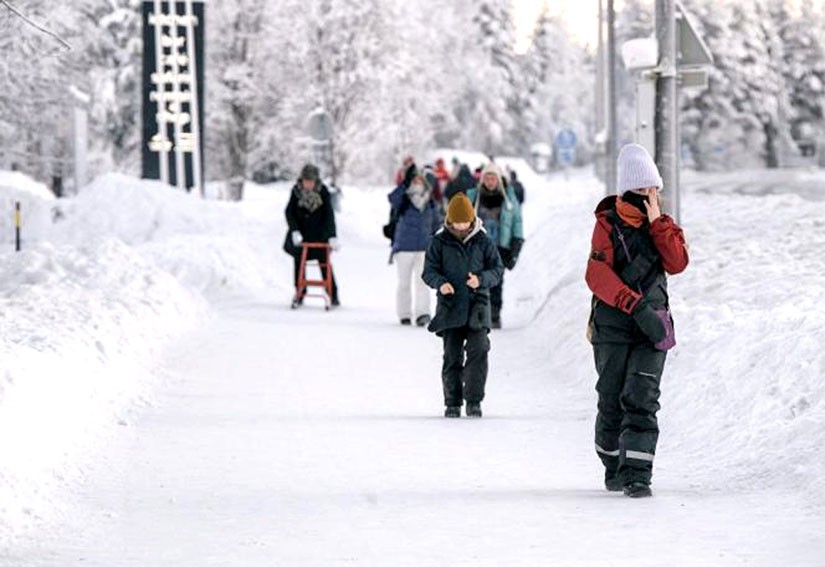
[(566, 139)]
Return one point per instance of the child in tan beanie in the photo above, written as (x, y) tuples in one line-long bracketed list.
[(462, 263)]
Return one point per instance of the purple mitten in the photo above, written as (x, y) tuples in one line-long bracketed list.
[(669, 341)]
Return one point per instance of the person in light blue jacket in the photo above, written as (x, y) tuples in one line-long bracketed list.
[(417, 219), (497, 206)]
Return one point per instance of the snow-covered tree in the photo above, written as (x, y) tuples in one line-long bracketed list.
[(110, 48), (237, 56), (342, 67), (35, 124), (492, 88), (742, 118), (804, 68), (559, 78)]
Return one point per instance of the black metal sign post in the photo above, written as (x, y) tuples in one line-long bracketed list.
[(173, 92)]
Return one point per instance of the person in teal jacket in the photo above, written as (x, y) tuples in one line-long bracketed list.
[(497, 206)]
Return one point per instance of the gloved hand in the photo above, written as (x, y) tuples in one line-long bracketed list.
[(409, 174), (515, 250), (333, 243), (648, 321), (297, 238)]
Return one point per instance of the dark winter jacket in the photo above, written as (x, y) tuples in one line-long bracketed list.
[(450, 260), (463, 182), (619, 282), (414, 228), (315, 226), (505, 224)]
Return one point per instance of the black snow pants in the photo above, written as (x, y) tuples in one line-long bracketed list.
[(626, 426), (314, 254), (464, 380)]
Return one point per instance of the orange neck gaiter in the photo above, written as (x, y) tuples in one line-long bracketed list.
[(630, 214)]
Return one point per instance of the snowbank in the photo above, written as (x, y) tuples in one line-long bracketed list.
[(746, 389), (104, 280), (210, 246), (78, 326)]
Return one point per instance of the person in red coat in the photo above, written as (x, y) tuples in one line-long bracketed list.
[(634, 246), (443, 176)]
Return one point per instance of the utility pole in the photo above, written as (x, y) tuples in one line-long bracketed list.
[(610, 75), (601, 106), (667, 127)]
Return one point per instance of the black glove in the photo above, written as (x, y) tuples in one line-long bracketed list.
[(648, 321), (512, 255), (409, 174), (515, 246)]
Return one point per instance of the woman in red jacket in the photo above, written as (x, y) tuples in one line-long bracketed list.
[(634, 246)]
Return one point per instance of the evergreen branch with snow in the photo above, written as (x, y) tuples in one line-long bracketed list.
[(35, 25)]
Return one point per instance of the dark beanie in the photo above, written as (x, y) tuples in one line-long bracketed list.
[(310, 172), (460, 209)]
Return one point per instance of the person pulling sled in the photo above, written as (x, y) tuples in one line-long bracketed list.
[(311, 233)]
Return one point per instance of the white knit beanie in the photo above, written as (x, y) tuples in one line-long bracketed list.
[(492, 168), (636, 169)]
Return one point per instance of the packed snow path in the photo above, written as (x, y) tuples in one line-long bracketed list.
[(303, 437), (311, 438)]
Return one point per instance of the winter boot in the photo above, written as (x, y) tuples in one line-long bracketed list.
[(637, 489), (613, 484), (452, 411), (406, 321), (422, 320), (496, 323), (473, 409)]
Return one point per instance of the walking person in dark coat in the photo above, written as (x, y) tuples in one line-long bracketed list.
[(311, 218), (497, 206), (461, 183), (418, 219), (634, 246), (518, 186), (462, 263)]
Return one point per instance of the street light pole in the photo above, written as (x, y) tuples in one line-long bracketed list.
[(667, 129), (610, 76)]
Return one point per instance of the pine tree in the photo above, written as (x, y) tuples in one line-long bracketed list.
[(741, 119), (488, 91)]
